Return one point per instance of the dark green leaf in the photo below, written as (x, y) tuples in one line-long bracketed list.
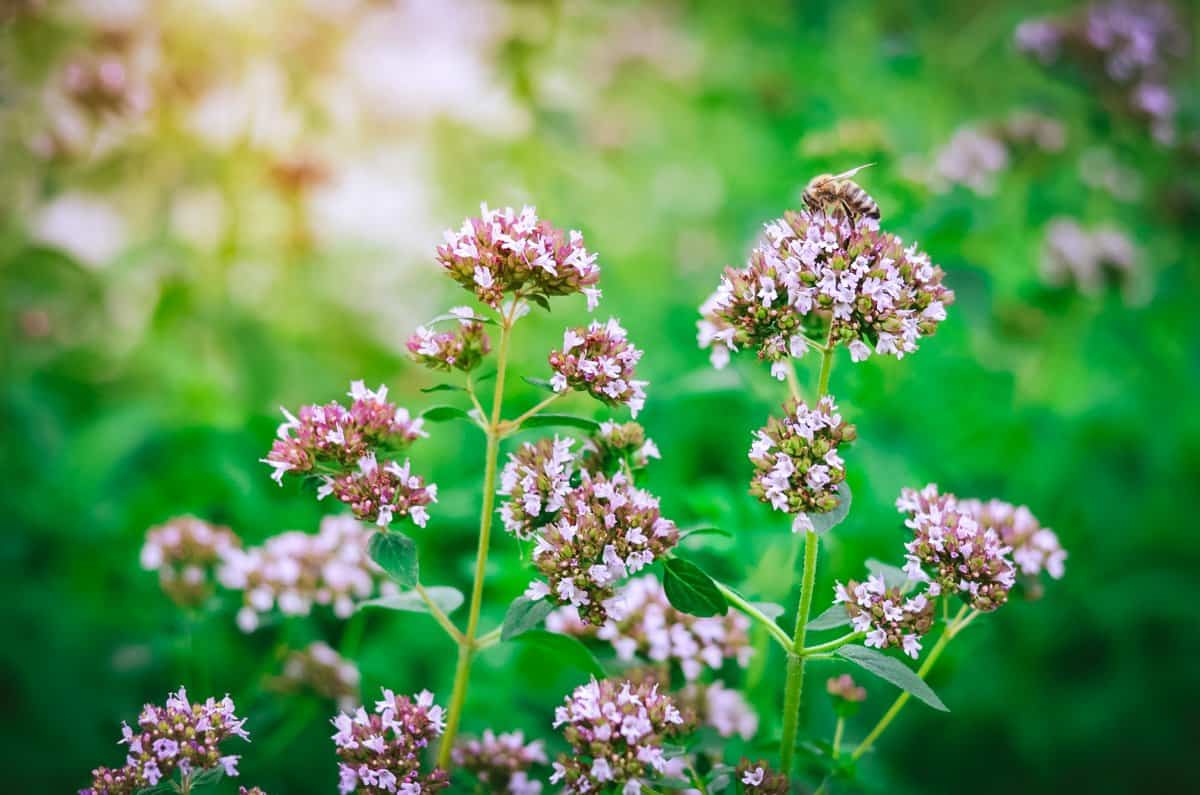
[(523, 615), (208, 777), (444, 413), (396, 554), (446, 598), (704, 531), (443, 388), (563, 649), (691, 591), (540, 300), (826, 521), (835, 616), (541, 383), (488, 376), (569, 420), (892, 670)]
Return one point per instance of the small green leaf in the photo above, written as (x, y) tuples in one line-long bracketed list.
[(206, 777), (894, 671), (691, 591), (523, 615), (704, 531), (446, 598), (396, 554), (569, 420), (540, 383), (563, 649), (892, 576), (540, 300), (769, 609), (835, 616), (449, 316), (444, 413), (443, 388), (823, 522), (488, 376)]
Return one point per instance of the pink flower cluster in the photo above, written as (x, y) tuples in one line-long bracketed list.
[(461, 349), (1090, 259), (381, 752), (951, 549), (295, 570), (607, 530), (501, 763), (812, 266), (722, 708), (1034, 548), (976, 154), (321, 670), (615, 444), (643, 623), (381, 493), (343, 447), (617, 733), (844, 688), (599, 360), (536, 481), (757, 778), (509, 252), (185, 551), (797, 465), (178, 736), (888, 619), (1129, 49)]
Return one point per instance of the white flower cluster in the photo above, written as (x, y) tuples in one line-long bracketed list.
[(599, 360), (887, 618), (536, 481)]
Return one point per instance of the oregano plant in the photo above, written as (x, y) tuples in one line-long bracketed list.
[(606, 569)]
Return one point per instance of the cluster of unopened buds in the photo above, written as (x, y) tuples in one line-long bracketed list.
[(797, 464), (844, 688), (606, 530), (382, 751), (643, 623), (599, 360), (1130, 49), (180, 736), (501, 762), (617, 732), (757, 778), (888, 619), (877, 294), (295, 570), (615, 444), (953, 552), (186, 551), (463, 348), (505, 251), (321, 670)]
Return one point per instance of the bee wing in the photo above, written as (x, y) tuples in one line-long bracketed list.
[(853, 171)]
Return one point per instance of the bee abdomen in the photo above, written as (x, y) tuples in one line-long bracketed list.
[(859, 201)]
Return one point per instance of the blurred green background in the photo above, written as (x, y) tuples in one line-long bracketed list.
[(254, 226)]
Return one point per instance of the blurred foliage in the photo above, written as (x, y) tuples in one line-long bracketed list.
[(147, 387)]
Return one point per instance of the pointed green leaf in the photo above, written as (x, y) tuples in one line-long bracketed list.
[(446, 598), (892, 576), (823, 522), (769, 609), (449, 316), (541, 383), (540, 300), (444, 413), (835, 616), (443, 388), (691, 591), (704, 531), (563, 649), (568, 420), (894, 671), (523, 615), (396, 554)]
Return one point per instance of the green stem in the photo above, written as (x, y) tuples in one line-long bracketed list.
[(753, 612), (793, 382), (897, 705), (438, 615), (837, 737), (466, 647), (488, 640), (512, 426), (826, 369), (794, 688), (838, 643)]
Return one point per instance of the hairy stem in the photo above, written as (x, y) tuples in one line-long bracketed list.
[(952, 629), (794, 688), (753, 612), (466, 647)]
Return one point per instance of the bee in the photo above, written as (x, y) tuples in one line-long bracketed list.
[(839, 189)]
